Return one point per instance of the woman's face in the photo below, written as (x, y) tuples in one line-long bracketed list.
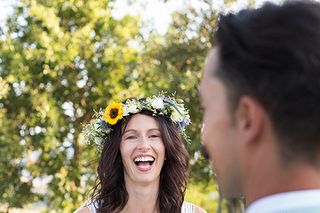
[(142, 150)]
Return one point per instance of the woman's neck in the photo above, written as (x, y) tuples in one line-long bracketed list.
[(142, 197)]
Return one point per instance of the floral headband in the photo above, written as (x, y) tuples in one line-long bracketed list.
[(102, 125)]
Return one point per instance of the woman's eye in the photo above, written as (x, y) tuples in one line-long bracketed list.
[(131, 137), (155, 136)]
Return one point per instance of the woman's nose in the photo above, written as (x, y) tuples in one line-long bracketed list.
[(144, 145)]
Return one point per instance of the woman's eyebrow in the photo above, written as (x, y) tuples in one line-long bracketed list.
[(134, 130), (129, 130), (157, 129)]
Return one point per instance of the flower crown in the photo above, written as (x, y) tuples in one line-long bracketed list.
[(102, 125)]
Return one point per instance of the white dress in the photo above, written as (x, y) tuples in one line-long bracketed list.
[(186, 208)]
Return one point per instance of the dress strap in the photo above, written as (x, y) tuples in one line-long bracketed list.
[(187, 207), (90, 205)]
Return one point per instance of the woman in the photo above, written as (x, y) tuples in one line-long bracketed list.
[(143, 165)]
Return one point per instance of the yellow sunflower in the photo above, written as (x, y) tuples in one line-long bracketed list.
[(113, 113)]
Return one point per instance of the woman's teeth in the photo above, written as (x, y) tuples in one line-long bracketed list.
[(144, 159)]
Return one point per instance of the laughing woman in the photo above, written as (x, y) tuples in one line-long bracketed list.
[(143, 165)]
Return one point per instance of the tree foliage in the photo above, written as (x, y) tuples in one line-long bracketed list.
[(60, 60)]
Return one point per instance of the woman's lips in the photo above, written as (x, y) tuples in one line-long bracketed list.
[(144, 163), (144, 167)]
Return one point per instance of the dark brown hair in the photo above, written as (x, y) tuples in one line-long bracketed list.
[(110, 194), (272, 54)]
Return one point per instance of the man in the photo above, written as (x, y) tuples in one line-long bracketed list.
[(260, 95)]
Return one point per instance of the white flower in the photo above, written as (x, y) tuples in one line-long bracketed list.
[(176, 116), (157, 103), (96, 126), (130, 107), (187, 120), (98, 140)]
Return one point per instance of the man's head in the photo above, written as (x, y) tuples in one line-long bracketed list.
[(262, 83)]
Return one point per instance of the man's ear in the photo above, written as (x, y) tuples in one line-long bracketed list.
[(250, 119)]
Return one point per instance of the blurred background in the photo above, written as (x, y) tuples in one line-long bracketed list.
[(61, 59)]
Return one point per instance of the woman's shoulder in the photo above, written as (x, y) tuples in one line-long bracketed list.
[(191, 208), (84, 209)]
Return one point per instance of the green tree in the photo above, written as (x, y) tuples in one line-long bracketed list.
[(59, 61), (177, 59)]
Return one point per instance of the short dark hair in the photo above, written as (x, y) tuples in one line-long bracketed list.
[(273, 55), (110, 194)]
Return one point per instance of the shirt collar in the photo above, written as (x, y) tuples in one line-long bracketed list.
[(285, 200)]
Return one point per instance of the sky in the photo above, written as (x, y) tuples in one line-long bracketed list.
[(6, 8), (154, 11), (158, 12)]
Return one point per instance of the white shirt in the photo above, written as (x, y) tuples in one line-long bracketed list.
[(304, 201)]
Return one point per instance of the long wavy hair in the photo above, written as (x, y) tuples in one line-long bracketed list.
[(110, 194)]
